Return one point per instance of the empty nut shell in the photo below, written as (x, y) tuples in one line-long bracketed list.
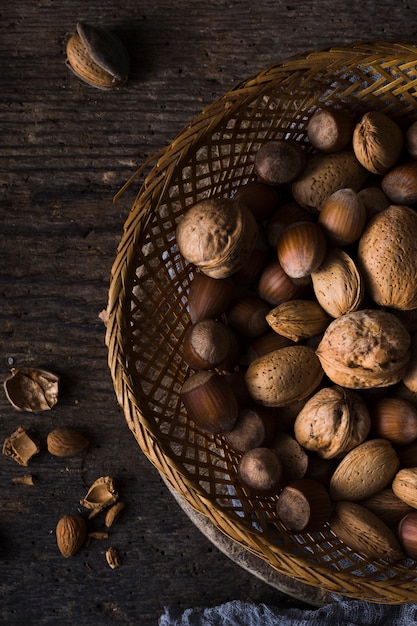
[(32, 389), (102, 493), (98, 57)]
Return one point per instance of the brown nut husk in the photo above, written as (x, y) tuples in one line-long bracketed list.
[(338, 284), (284, 376), (377, 142), (32, 389), (217, 235), (324, 174), (387, 258), (71, 531), (364, 532), (332, 422), (298, 319), (365, 470), (364, 349), (21, 446), (98, 57)]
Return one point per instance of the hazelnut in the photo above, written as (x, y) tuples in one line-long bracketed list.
[(210, 402)]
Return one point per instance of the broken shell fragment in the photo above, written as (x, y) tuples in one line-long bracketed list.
[(26, 479), (101, 494), (113, 558), (32, 389), (113, 513), (21, 446)]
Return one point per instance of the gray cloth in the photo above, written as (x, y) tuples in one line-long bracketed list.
[(343, 613)]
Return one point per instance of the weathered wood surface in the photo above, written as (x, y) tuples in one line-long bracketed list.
[(65, 149)]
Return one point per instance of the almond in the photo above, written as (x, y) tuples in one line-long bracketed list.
[(284, 376), (71, 531), (65, 442), (365, 470), (364, 532), (324, 174)]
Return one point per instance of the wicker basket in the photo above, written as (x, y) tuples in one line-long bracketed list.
[(147, 308)]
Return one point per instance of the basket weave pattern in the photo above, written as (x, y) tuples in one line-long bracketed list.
[(147, 308)]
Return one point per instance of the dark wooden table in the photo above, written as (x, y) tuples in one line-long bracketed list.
[(65, 150)]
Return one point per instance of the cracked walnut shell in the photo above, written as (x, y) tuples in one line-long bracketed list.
[(32, 389)]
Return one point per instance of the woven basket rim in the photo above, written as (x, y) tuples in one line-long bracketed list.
[(162, 166)]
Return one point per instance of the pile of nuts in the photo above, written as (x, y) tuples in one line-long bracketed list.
[(35, 390), (302, 342)]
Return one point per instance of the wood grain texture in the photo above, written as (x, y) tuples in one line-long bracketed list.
[(65, 150)]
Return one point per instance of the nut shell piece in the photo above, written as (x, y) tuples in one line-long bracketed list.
[(102, 493), (32, 389), (21, 446)]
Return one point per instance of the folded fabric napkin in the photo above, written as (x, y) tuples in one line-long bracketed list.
[(341, 613)]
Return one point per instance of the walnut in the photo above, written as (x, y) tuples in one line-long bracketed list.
[(217, 235)]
